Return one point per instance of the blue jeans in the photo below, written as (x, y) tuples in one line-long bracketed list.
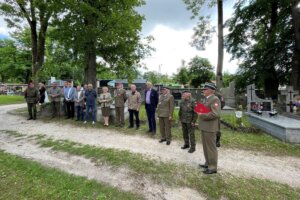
[(151, 117), (93, 109), (79, 112)]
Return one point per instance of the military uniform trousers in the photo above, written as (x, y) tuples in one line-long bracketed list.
[(32, 110), (188, 132), (165, 128), (120, 116), (55, 107), (210, 149)]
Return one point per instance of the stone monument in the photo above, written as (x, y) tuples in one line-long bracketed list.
[(254, 103)]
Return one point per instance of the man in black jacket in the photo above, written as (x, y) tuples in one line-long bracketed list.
[(151, 101)]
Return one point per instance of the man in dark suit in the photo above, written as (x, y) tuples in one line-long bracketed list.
[(151, 101)]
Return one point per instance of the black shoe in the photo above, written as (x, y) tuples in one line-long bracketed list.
[(192, 150), (149, 131), (203, 166), (218, 144), (209, 171), (130, 126), (185, 146), (30, 118), (77, 120), (168, 142), (162, 140)]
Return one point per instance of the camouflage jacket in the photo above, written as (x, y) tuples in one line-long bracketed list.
[(32, 95), (186, 111), (120, 97)]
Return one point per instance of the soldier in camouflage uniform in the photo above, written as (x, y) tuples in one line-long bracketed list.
[(188, 117), (32, 98), (120, 99)]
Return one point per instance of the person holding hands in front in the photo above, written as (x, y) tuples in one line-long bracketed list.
[(208, 124), (165, 110)]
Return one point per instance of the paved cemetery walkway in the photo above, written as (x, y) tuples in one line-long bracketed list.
[(238, 162)]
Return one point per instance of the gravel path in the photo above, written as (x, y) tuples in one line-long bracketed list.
[(237, 162)]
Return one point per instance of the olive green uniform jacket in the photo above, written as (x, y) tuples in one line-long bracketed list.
[(165, 105), (32, 95), (209, 122)]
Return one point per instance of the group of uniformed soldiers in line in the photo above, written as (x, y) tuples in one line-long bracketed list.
[(162, 105)]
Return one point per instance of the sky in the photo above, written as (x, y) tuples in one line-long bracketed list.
[(168, 21)]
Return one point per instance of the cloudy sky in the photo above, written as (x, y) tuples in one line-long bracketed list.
[(169, 23)]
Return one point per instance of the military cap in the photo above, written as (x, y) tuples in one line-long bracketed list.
[(165, 87), (209, 86), (186, 91)]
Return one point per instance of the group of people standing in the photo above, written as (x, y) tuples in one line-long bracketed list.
[(84, 101)]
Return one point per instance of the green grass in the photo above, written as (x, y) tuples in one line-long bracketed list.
[(13, 99), (232, 120), (214, 186), (258, 142), (24, 179)]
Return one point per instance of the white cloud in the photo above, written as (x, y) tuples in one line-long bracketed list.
[(173, 46)]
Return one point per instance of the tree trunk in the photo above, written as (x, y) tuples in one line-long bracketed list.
[(219, 77), (271, 81), (34, 48), (295, 79), (90, 69)]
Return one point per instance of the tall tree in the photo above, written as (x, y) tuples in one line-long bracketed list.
[(182, 76), (37, 14), (261, 36), (200, 71), (203, 31), (102, 29), (15, 61), (295, 79)]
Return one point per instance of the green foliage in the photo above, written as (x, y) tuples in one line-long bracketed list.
[(261, 35), (157, 78), (200, 71), (105, 29), (227, 78), (25, 179), (15, 61)]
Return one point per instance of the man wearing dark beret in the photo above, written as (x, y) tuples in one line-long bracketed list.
[(209, 125)]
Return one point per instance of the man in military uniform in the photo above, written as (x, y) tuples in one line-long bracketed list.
[(188, 117), (209, 125), (120, 99), (54, 94), (32, 98), (165, 110)]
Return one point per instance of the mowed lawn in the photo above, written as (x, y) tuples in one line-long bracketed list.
[(11, 99), (25, 179)]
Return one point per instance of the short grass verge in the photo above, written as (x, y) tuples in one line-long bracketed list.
[(24, 179), (13, 99), (214, 186)]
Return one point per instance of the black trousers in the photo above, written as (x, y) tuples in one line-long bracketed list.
[(70, 109), (136, 115)]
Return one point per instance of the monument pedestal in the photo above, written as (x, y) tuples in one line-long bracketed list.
[(281, 127)]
